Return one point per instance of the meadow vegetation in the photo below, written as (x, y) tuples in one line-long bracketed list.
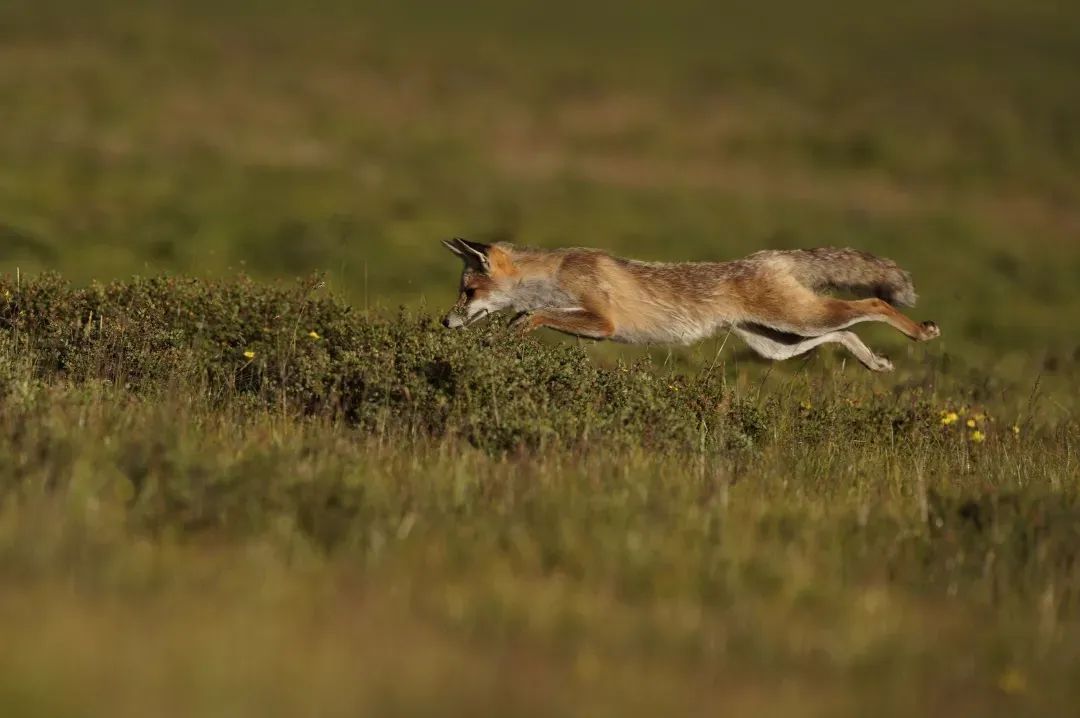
[(249, 483)]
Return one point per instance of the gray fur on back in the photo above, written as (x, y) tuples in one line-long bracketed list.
[(850, 270)]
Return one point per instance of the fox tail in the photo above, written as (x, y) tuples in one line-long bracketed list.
[(851, 270)]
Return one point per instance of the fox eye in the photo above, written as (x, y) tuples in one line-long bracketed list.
[(469, 292)]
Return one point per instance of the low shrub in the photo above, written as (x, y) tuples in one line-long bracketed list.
[(295, 349)]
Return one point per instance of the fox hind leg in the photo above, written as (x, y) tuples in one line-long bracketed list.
[(773, 344), (872, 361), (839, 314)]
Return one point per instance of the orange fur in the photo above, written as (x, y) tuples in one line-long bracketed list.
[(771, 299)]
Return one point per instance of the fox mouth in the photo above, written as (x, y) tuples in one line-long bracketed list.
[(476, 317)]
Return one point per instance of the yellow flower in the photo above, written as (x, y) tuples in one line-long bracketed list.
[(978, 437), (314, 334), (249, 354), (1016, 429), (1012, 681), (949, 417), (806, 406), (971, 423)]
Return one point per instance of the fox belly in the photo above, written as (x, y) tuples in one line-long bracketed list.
[(671, 330)]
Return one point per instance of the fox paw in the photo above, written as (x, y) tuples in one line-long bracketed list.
[(521, 322), (930, 331), (880, 363)]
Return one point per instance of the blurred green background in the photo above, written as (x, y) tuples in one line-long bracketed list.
[(277, 137), (159, 545)]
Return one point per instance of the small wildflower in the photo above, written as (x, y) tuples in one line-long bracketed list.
[(949, 417), (314, 334), (1016, 429), (249, 354), (1012, 681), (806, 406), (971, 423), (978, 437)]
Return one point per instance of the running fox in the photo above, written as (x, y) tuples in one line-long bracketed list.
[(771, 299)]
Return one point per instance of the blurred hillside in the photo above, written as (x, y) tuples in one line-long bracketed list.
[(277, 137)]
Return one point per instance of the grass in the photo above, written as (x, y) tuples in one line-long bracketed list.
[(267, 496), (393, 518)]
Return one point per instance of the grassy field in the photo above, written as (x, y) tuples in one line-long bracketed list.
[(282, 495)]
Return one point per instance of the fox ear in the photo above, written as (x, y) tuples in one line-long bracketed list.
[(452, 246), (473, 254)]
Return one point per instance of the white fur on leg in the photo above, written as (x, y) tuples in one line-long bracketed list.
[(772, 344)]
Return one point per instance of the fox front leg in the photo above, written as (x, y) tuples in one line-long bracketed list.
[(575, 322), (521, 322)]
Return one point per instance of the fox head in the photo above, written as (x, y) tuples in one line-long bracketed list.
[(486, 282)]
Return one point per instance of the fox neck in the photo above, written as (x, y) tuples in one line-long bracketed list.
[(532, 293), (534, 285)]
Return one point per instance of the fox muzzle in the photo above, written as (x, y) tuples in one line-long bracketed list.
[(455, 320)]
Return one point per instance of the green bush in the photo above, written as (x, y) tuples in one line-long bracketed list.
[(292, 348)]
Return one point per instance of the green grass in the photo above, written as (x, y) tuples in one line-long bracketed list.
[(393, 518), (397, 520)]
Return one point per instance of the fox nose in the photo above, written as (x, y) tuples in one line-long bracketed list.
[(446, 322)]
